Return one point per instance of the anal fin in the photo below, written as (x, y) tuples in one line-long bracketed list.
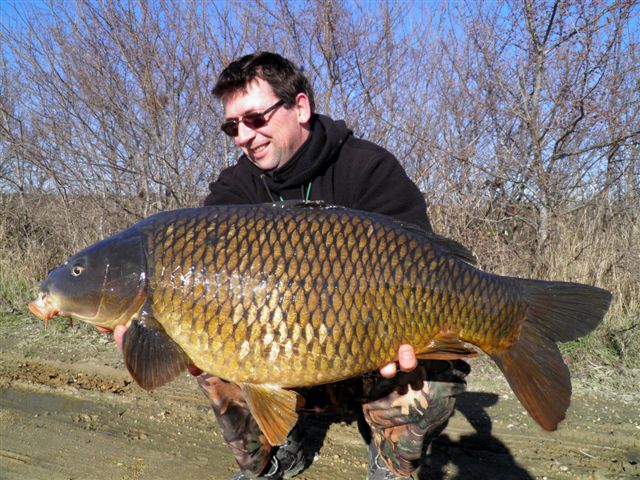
[(151, 356), (274, 409), (446, 346)]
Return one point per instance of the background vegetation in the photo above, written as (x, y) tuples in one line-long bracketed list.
[(517, 119)]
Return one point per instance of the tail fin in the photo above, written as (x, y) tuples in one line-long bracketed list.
[(557, 312)]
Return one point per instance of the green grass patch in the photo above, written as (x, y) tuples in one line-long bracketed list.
[(16, 293), (615, 343), (10, 320)]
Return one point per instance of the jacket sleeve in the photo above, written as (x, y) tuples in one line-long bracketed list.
[(380, 184)]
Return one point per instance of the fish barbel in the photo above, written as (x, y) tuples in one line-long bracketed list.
[(276, 297)]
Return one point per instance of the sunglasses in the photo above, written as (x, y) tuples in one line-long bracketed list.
[(252, 120)]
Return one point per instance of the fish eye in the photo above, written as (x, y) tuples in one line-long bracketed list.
[(77, 270)]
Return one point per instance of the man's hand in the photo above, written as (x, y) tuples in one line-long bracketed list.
[(407, 360), (118, 335)]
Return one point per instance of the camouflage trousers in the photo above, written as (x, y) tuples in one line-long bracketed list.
[(400, 413)]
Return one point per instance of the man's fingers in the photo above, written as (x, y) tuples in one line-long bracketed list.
[(389, 370), (407, 358), (118, 335)]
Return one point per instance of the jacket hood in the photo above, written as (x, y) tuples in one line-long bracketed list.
[(319, 151)]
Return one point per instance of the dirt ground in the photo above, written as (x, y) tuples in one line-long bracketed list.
[(68, 410)]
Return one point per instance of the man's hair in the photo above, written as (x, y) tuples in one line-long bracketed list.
[(285, 78)]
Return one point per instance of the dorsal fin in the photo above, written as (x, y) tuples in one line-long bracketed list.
[(446, 244), (454, 247)]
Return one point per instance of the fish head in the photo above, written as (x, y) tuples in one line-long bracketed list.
[(104, 285)]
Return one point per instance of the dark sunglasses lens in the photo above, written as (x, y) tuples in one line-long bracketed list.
[(254, 120), (230, 128), (251, 120)]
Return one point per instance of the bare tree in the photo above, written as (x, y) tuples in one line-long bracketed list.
[(119, 102), (540, 83)]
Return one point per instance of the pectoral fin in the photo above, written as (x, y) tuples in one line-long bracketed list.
[(151, 356), (446, 346), (274, 408)]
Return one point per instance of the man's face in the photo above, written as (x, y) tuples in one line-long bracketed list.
[(272, 145)]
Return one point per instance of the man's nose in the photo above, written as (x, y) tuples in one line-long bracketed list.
[(245, 134)]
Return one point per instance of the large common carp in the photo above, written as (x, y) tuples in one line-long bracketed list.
[(274, 297)]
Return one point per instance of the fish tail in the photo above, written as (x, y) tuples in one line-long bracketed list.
[(533, 366)]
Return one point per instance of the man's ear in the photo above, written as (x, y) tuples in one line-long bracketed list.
[(303, 108)]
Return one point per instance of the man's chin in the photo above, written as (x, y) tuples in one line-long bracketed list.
[(264, 164)]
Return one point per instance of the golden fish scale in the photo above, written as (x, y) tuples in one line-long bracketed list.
[(300, 297)]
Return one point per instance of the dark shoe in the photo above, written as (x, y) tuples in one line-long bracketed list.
[(290, 456), (271, 473), (286, 463)]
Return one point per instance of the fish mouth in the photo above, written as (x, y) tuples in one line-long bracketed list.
[(43, 308)]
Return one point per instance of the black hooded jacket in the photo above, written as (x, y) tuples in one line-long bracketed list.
[(333, 166)]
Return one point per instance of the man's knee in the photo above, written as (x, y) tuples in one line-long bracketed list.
[(418, 406)]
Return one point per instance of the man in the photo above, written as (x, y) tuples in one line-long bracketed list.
[(291, 153)]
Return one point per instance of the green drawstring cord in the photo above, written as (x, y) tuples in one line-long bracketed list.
[(306, 195)]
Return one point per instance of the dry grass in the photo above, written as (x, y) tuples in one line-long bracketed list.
[(37, 233)]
